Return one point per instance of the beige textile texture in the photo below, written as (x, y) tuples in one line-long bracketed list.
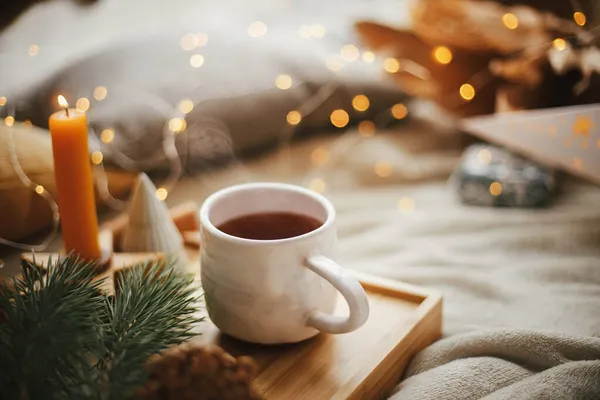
[(521, 287), (506, 364)]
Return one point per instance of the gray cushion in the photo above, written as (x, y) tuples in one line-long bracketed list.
[(238, 108)]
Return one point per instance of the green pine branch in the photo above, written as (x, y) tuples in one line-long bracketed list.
[(62, 338), (153, 309), (50, 327)]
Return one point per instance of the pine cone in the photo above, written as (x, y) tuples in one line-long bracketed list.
[(200, 373)]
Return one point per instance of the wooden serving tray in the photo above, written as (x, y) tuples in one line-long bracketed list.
[(362, 365)]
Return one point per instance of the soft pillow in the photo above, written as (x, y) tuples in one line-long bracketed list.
[(238, 110)]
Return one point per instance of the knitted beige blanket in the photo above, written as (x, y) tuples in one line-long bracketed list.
[(521, 287)]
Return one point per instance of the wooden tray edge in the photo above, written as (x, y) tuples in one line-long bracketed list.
[(388, 373), (396, 368), (396, 288)]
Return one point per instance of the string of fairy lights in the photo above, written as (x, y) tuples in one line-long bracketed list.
[(176, 124)]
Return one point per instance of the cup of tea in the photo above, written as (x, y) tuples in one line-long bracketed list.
[(267, 265)]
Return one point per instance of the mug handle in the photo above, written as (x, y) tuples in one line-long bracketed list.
[(349, 287)]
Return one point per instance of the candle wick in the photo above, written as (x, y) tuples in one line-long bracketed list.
[(67, 111)]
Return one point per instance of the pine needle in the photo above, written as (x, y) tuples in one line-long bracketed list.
[(153, 309), (51, 326), (62, 338)]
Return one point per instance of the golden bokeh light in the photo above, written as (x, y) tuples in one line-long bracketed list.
[(539, 128), (177, 125), (294, 117), (188, 42), (598, 143), (406, 205), (510, 20), (391, 65), (339, 118), (305, 31), (82, 104), (399, 111), (484, 156), (100, 93), (366, 128), (361, 102), (319, 156), (383, 169), (318, 185), (196, 60), (9, 121), (202, 39), (97, 157), (579, 18), (496, 189), (582, 126), (39, 189), (467, 91), (283, 82), (442, 54), (107, 135), (334, 63), (2, 101), (559, 44), (186, 106), (161, 194), (317, 30), (34, 49), (257, 29), (368, 56), (349, 52)]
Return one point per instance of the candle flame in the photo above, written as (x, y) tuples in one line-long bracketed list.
[(62, 101)]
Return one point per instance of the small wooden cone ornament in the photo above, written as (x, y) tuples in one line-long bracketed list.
[(150, 227)]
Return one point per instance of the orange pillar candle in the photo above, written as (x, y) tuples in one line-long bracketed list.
[(74, 182)]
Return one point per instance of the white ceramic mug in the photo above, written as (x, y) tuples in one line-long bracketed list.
[(275, 291)]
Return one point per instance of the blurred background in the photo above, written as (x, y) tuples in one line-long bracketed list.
[(458, 139)]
